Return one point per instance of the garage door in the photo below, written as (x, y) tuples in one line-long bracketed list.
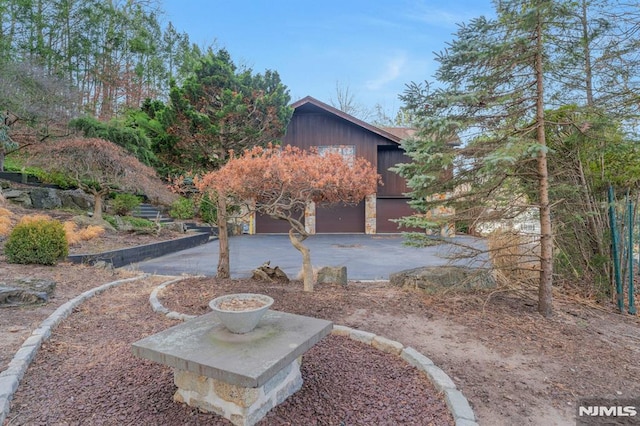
[(266, 225), (340, 218), (392, 208)]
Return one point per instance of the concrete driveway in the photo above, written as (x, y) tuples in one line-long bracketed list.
[(367, 257)]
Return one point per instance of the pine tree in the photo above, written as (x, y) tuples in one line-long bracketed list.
[(490, 92)]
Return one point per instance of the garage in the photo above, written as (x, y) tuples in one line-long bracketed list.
[(392, 208), (340, 219), (266, 225)]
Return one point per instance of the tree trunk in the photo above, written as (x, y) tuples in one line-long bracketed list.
[(307, 269), (545, 289), (97, 205), (223, 238)]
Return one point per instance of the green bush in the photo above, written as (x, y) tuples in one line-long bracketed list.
[(123, 204), (182, 208), (40, 241)]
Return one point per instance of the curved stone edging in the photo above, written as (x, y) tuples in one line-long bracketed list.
[(158, 307), (10, 378), (456, 402)]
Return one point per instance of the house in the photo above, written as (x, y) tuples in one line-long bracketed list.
[(316, 124)]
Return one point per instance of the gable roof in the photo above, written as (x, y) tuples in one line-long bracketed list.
[(309, 104)]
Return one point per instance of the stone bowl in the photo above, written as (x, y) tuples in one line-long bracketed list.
[(241, 312)]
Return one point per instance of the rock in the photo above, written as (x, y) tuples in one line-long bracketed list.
[(122, 225), (84, 221), (101, 264), (175, 226), (438, 278), (332, 274), (75, 199), (267, 273), (17, 196), (45, 198), (25, 292)]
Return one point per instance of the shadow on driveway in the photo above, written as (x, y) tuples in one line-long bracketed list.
[(367, 257)]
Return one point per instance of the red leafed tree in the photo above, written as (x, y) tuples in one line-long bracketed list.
[(283, 181), (99, 167)]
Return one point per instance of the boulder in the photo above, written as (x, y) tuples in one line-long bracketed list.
[(84, 221), (438, 278), (75, 199), (332, 274), (268, 273), (17, 196), (45, 198), (25, 291)]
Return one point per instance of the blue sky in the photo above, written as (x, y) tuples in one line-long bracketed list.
[(373, 48)]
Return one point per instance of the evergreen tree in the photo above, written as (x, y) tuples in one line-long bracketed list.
[(491, 91), (217, 110)]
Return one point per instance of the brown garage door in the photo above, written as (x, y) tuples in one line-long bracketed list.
[(266, 225), (392, 208), (340, 218)]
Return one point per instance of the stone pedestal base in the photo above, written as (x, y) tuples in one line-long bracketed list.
[(243, 406)]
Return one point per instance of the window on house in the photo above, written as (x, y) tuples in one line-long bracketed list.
[(348, 152)]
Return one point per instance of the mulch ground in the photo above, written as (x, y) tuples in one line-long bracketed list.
[(86, 373)]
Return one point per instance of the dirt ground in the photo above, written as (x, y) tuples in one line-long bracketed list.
[(514, 366)]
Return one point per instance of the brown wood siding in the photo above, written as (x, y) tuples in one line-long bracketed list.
[(340, 218), (306, 130), (393, 185), (392, 208)]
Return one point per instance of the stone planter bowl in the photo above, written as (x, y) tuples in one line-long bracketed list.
[(240, 321)]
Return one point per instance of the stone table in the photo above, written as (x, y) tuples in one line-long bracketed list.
[(238, 376)]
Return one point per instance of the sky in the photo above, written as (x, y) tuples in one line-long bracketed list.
[(372, 48)]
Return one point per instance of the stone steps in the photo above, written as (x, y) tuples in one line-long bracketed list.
[(150, 212)]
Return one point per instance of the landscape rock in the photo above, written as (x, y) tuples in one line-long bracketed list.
[(332, 274), (45, 198), (17, 196), (84, 221), (25, 291), (439, 278), (75, 199), (268, 273), (175, 226)]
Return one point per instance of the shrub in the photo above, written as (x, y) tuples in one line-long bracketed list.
[(37, 240), (182, 208), (123, 204)]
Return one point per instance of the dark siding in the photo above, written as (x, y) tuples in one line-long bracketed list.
[(307, 130), (393, 185)]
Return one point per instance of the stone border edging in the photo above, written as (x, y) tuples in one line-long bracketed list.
[(158, 307), (456, 402), (10, 378)]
